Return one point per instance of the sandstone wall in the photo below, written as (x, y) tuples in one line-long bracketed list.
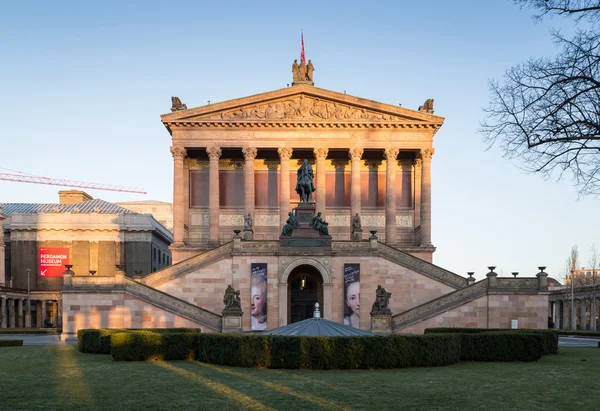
[(491, 311)]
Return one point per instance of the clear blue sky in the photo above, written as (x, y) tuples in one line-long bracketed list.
[(83, 84)]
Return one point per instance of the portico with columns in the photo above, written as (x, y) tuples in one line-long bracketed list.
[(241, 156)]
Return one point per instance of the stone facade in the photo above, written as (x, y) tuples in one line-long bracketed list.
[(241, 156)]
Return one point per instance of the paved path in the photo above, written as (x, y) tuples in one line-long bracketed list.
[(577, 341), (35, 339)]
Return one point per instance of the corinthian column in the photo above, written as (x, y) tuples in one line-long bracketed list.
[(249, 155), (321, 155), (426, 197), (391, 155), (214, 153), (284, 183), (355, 155), (179, 154)]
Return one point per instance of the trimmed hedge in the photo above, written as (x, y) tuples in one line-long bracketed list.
[(24, 331), (97, 341), (501, 346), (550, 336), (327, 353), (11, 343), (148, 345)]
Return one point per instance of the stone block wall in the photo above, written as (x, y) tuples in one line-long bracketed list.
[(408, 288), (115, 310), (491, 311)]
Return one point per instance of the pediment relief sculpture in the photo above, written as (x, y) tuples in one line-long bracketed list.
[(305, 108)]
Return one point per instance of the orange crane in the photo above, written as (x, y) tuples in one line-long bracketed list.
[(29, 178)]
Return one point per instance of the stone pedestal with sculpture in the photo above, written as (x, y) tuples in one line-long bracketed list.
[(381, 315), (232, 313)]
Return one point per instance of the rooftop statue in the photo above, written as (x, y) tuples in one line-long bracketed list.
[(177, 105), (427, 107), (305, 183), (302, 72)]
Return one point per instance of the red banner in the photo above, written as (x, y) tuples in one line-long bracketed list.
[(53, 261)]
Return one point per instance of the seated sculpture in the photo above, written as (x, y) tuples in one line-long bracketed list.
[(382, 301), (232, 300), (290, 224), (319, 224)]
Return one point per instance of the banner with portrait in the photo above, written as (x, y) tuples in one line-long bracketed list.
[(352, 295), (258, 286)]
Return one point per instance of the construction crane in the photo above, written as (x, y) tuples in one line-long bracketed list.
[(29, 178)]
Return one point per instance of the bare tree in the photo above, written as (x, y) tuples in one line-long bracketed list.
[(571, 267), (546, 111)]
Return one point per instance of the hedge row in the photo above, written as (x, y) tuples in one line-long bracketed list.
[(550, 337), (23, 331), (501, 346), (149, 345), (11, 343), (97, 341), (327, 353)]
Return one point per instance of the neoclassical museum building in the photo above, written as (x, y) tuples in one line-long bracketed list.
[(238, 220)]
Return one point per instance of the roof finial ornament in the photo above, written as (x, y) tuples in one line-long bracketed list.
[(317, 313), (177, 105), (427, 107)]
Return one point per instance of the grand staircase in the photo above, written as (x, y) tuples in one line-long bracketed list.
[(439, 305)]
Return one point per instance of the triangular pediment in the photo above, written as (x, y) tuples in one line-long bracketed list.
[(302, 104)]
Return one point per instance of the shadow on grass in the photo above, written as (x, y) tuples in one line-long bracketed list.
[(276, 386)]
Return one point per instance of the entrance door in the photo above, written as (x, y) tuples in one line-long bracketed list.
[(305, 288)]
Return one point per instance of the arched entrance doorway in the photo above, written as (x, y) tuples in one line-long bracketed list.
[(305, 288)]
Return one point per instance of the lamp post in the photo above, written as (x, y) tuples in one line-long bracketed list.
[(573, 318), (28, 316)]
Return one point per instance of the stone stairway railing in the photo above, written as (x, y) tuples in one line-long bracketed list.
[(169, 273), (439, 305), (402, 258), (173, 304), (145, 293)]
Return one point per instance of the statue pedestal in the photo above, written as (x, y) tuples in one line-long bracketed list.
[(248, 234), (381, 324), (305, 239), (357, 235), (232, 322), (301, 82)]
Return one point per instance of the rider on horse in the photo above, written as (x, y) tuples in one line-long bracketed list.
[(304, 184)]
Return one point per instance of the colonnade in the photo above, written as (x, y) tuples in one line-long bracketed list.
[(13, 312), (576, 314), (285, 154)]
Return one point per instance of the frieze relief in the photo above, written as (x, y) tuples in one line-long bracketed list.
[(231, 220), (338, 220), (404, 221), (199, 219), (373, 220), (304, 108), (266, 220)]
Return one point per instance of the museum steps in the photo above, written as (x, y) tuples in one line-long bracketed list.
[(173, 304), (439, 305), (198, 261)]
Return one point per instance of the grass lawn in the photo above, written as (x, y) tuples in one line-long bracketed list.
[(61, 378)]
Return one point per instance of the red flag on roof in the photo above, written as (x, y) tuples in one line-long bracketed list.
[(302, 58)]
